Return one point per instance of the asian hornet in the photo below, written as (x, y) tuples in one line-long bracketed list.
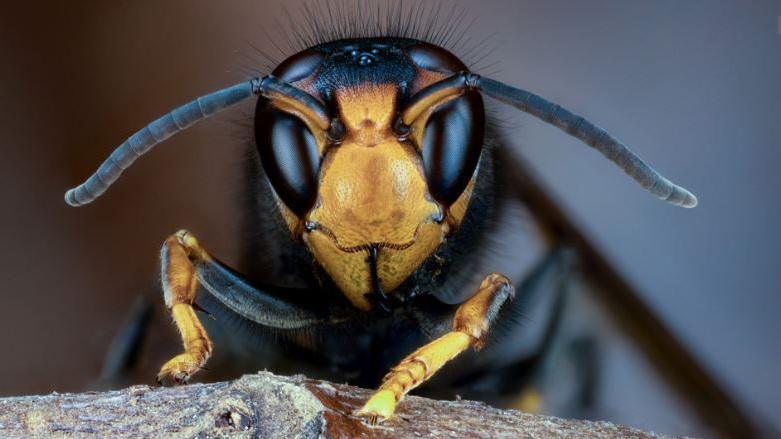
[(373, 186)]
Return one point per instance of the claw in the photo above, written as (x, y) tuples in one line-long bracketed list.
[(378, 408), (180, 368)]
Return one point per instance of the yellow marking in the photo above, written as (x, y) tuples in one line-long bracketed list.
[(457, 210), (471, 315), (303, 112), (367, 112), (180, 274), (179, 294), (379, 407), (194, 249), (197, 346), (423, 108), (193, 334), (469, 327), (372, 195), (411, 372), (315, 126), (372, 191), (348, 270), (394, 266)]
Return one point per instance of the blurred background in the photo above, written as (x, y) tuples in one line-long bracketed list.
[(692, 86)]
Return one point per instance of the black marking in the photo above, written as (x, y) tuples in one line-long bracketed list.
[(377, 295)]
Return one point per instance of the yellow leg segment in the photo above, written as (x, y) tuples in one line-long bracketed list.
[(179, 286), (470, 325)]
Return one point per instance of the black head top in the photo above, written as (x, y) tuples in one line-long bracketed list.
[(449, 140), (350, 62)]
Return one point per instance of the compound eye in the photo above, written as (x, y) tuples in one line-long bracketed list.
[(452, 142), (430, 57), (289, 155), (299, 66)]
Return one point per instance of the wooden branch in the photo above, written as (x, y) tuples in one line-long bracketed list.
[(270, 406)]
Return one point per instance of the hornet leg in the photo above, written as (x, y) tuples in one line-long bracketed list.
[(180, 284), (470, 327), (192, 280)]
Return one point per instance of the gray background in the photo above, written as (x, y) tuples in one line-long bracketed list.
[(695, 88), (691, 86)]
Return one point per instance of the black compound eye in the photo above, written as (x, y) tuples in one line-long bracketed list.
[(430, 57), (299, 66), (288, 152), (452, 142)]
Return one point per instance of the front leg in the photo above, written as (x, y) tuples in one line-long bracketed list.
[(180, 284), (188, 271), (470, 327)]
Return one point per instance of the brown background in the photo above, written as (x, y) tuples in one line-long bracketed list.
[(693, 86)]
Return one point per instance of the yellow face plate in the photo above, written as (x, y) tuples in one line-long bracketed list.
[(373, 192)]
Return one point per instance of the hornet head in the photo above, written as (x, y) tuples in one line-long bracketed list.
[(372, 147), (376, 194)]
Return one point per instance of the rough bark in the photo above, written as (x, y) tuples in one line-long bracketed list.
[(270, 406)]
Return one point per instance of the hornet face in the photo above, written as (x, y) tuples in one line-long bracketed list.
[(376, 195), (371, 146)]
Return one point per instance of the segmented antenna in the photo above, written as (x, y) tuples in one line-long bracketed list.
[(145, 139), (590, 134)]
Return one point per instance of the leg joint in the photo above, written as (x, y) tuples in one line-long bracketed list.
[(476, 315)]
